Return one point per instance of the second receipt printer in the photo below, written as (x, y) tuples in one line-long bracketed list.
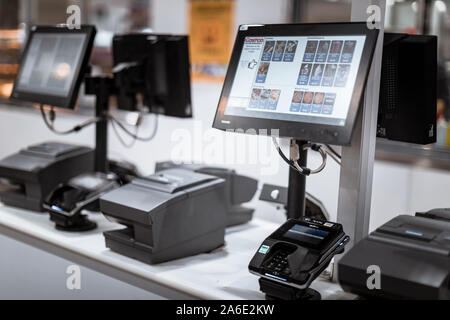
[(239, 189), (412, 255), (32, 173), (169, 215)]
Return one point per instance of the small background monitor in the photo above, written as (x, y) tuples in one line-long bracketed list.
[(156, 67), (53, 65), (305, 80)]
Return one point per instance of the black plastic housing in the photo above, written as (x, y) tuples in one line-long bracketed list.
[(408, 88), (155, 66)]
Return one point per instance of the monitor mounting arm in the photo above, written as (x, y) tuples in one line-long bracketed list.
[(103, 88), (297, 184)]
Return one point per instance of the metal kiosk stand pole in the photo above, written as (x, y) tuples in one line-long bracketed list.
[(355, 185), (102, 88)]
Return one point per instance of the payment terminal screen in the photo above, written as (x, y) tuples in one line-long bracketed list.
[(304, 79), (51, 63), (306, 235)]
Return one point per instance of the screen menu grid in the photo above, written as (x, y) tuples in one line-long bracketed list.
[(296, 78), (315, 71)]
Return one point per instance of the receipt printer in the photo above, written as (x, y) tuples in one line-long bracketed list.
[(296, 254), (238, 189), (29, 176), (406, 258), (172, 214), (442, 214)]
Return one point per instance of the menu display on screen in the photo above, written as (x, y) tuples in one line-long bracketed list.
[(298, 78)]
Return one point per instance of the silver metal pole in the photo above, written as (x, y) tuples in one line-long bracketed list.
[(355, 186)]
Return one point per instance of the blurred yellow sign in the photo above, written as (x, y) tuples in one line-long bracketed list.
[(210, 32)]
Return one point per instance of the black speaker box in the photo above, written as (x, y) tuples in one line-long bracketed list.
[(407, 107)]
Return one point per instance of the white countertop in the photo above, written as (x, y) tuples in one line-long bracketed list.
[(222, 274)]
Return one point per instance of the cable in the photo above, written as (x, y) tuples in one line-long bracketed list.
[(336, 159), (317, 148), (277, 146), (134, 135), (295, 157), (333, 154), (119, 137), (50, 125), (77, 128), (333, 151), (121, 140)]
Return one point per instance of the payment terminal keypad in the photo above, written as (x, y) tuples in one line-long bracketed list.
[(278, 263)]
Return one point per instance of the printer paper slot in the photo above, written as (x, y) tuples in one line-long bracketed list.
[(411, 231), (171, 183)]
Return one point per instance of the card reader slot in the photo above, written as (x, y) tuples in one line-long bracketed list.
[(419, 245), (410, 231), (7, 185), (170, 183), (165, 187)]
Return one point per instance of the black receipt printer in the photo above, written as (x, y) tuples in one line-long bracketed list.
[(28, 177), (169, 215), (296, 253), (412, 255), (239, 189)]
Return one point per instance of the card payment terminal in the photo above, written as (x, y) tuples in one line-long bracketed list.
[(295, 254)]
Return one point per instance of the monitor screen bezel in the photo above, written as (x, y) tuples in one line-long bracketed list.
[(319, 133), (68, 101)]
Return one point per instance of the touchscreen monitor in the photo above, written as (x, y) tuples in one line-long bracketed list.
[(305, 80), (53, 65)]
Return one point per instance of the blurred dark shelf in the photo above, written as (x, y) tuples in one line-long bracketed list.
[(426, 156)]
